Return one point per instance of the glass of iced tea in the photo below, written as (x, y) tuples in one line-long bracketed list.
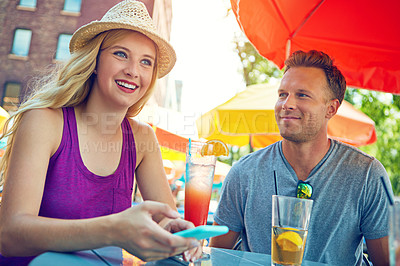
[(394, 234), (290, 220)]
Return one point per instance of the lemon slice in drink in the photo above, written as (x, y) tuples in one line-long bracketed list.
[(289, 241), (215, 147)]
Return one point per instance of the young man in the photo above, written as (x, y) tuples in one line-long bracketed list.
[(349, 198)]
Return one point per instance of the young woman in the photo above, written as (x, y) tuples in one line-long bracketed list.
[(73, 151)]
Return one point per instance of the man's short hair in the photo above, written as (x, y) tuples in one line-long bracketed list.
[(335, 79)]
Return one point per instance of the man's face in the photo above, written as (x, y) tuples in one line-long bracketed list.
[(303, 107)]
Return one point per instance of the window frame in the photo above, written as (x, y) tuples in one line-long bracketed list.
[(13, 104), (28, 46), (65, 11), (58, 46), (27, 7)]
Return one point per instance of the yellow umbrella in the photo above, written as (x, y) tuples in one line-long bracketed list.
[(4, 115), (249, 117), (249, 112)]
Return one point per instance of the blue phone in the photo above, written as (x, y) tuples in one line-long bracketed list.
[(204, 231)]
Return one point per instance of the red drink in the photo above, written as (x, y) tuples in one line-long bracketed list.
[(198, 189), (199, 179), (197, 202)]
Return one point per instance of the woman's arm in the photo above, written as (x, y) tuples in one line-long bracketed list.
[(24, 233), (150, 175), (152, 180)]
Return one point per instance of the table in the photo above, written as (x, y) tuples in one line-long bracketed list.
[(116, 256)]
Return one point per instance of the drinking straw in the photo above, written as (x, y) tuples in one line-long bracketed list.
[(387, 191), (276, 184), (190, 147), (277, 200), (188, 159)]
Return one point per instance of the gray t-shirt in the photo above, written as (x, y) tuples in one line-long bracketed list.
[(349, 201)]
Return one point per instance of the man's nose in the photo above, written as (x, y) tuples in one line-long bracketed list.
[(289, 103)]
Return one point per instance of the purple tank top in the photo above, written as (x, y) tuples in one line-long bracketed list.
[(73, 192)]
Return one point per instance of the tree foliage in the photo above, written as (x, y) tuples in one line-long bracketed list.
[(255, 68), (384, 109)]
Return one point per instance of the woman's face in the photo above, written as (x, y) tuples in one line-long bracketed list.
[(124, 69)]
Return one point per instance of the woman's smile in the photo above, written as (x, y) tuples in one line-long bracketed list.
[(127, 86)]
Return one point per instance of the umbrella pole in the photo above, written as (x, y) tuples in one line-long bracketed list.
[(135, 191), (250, 146)]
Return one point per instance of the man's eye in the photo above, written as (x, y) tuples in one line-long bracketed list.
[(303, 95), (121, 54)]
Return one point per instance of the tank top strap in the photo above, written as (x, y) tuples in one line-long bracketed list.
[(67, 140), (70, 128), (70, 140), (129, 147)]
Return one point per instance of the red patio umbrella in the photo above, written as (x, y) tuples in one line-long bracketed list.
[(362, 36)]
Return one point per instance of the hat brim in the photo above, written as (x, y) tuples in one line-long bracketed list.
[(166, 58)]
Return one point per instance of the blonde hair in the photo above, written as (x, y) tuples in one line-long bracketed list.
[(69, 85)]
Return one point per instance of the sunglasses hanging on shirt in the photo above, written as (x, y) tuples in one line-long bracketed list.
[(304, 190)]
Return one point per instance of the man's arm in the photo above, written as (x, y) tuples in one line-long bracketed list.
[(224, 241), (378, 250)]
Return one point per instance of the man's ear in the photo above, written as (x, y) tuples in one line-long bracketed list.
[(333, 106)]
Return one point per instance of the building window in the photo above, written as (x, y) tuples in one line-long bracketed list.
[(72, 6), (63, 47), (22, 42), (27, 3), (10, 101)]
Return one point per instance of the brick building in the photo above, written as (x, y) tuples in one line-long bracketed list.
[(35, 33)]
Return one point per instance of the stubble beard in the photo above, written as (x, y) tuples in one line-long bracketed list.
[(300, 133)]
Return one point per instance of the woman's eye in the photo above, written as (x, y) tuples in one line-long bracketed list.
[(120, 54), (147, 62)]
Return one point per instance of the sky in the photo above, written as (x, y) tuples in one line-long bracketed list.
[(202, 36)]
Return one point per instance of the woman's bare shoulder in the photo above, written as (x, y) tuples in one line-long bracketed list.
[(142, 130), (48, 113), (42, 119), (45, 124), (145, 139)]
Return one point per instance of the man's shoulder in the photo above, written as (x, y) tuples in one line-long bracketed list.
[(357, 159), (347, 149)]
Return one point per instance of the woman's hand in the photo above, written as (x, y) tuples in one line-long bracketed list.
[(177, 225), (141, 236)]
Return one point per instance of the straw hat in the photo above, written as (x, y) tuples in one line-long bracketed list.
[(131, 15)]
